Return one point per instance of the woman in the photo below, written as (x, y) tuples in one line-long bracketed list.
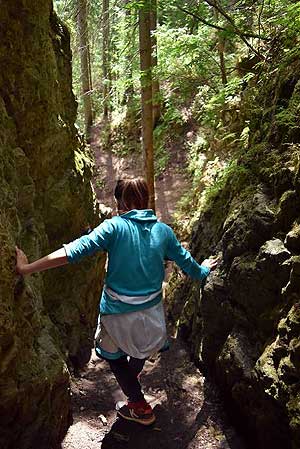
[(131, 323)]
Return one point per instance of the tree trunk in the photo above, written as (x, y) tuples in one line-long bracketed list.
[(130, 54), (146, 97), (221, 48), (105, 58), (83, 41), (90, 71), (155, 82)]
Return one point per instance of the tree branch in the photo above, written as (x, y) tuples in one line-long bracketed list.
[(219, 8), (217, 27)]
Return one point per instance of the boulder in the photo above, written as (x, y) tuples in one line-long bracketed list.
[(288, 210), (247, 226), (237, 358), (212, 313), (255, 284), (292, 240)]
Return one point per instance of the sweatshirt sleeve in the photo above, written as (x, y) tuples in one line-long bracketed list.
[(184, 260), (97, 240)]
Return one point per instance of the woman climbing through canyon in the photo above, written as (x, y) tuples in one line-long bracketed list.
[(131, 325)]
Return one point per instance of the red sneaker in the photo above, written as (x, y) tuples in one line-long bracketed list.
[(140, 412)]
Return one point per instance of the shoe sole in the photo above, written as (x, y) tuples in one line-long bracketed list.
[(131, 418)]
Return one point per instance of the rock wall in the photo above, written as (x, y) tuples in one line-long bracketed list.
[(46, 320), (244, 324)]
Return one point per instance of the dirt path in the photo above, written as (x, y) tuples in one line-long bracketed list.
[(189, 412), (170, 185)]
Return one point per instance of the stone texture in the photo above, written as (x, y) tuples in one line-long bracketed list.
[(292, 240), (244, 327), (46, 320), (247, 226), (213, 315), (288, 210)]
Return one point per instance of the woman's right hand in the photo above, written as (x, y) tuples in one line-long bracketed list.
[(22, 261)]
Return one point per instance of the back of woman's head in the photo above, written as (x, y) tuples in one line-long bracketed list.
[(132, 194)]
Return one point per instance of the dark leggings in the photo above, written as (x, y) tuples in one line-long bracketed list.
[(126, 373)]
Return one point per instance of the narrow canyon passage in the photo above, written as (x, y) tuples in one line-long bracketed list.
[(190, 414), (228, 136)]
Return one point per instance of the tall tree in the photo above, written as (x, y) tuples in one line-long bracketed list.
[(145, 48), (155, 82), (83, 42), (130, 15), (105, 57)]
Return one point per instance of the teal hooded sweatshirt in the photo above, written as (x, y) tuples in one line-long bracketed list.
[(137, 246)]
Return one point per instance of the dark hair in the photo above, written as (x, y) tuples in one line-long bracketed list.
[(132, 194)]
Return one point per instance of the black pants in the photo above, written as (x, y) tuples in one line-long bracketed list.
[(126, 372)]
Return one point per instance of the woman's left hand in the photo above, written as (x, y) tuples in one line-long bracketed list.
[(210, 263), (22, 261)]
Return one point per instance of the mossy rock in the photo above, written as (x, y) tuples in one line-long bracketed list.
[(46, 200), (292, 240), (288, 210)]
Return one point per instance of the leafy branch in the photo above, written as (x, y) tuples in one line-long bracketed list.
[(218, 27), (218, 7)]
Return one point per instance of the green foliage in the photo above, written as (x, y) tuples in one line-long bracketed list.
[(234, 178), (183, 56), (83, 162), (288, 118), (197, 157), (162, 157), (228, 95), (188, 52), (171, 120), (191, 87)]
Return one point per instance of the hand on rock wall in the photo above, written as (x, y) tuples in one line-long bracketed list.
[(22, 261), (210, 263)]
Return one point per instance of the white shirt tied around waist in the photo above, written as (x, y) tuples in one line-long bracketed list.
[(141, 333), (132, 299)]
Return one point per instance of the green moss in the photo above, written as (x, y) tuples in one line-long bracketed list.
[(46, 200), (83, 162), (261, 152), (293, 407)]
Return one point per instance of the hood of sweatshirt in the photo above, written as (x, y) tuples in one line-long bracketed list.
[(143, 216)]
